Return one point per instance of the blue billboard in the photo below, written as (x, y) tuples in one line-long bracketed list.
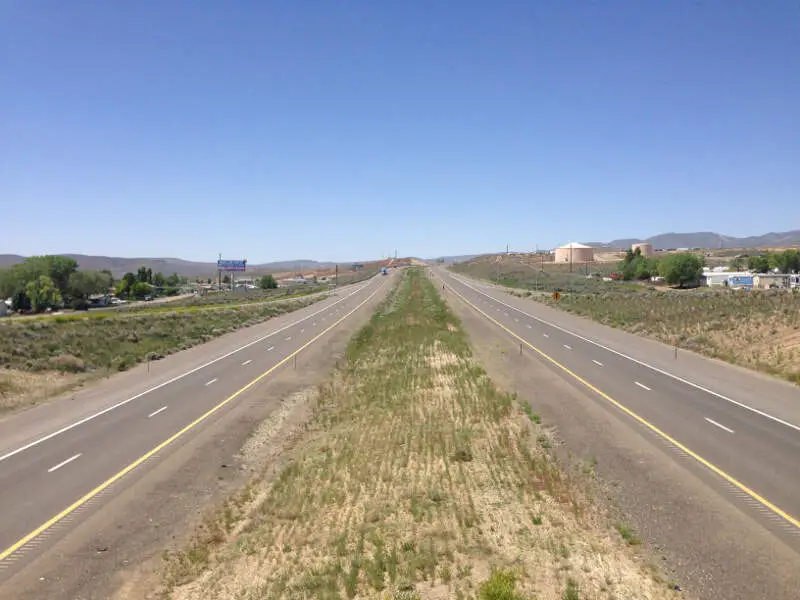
[(232, 265), (743, 280)]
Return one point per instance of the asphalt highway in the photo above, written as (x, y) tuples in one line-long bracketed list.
[(48, 477), (741, 427)]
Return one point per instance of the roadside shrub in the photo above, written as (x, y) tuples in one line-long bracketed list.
[(501, 585), (67, 363)]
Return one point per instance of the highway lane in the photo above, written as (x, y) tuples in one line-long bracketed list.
[(44, 476), (759, 451)]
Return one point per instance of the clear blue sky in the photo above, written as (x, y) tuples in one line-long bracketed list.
[(348, 129)]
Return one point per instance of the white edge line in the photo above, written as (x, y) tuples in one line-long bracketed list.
[(713, 422), (639, 362), (153, 414), (643, 386), (169, 381), (66, 462)]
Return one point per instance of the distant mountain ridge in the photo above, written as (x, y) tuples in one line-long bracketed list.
[(709, 240), (186, 268)]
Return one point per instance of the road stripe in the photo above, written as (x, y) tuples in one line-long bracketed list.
[(720, 425), (168, 382), (567, 347), (153, 414), (247, 362), (529, 327), (643, 386), (271, 348), (597, 362), (288, 339), (119, 475), (709, 465), (212, 381), (697, 386), (61, 464), (547, 335)]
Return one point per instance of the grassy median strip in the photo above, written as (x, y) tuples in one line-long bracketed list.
[(415, 478), (44, 357)]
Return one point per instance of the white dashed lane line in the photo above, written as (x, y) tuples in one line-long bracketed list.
[(212, 381), (529, 327), (597, 362), (567, 347), (271, 348), (288, 338), (641, 385), (66, 462), (720, 425), (154, 413), (247, 362)]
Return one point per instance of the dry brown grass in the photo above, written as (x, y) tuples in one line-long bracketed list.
[(20, 388), (417, 478)]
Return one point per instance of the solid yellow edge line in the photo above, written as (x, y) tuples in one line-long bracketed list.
[(730, 479), (114, 478)]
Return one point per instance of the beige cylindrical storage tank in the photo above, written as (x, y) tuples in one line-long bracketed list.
[(645, 248), (574, 253)]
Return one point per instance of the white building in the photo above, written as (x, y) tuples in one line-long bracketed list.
[(727, 278)]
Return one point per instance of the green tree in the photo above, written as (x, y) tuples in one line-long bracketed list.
[(173, 280), (737, 263), (43, 293), (787, 261), (144, 275), (140, 289), (159, 280), (646, 268), (759, 264), (126, 284), (57, 268), (9, 283), (267, 282), (226, 278), (681, 269), (20, 301), (83, 284)]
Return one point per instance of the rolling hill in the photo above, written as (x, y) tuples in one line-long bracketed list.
[(708, 239), (187, 268)]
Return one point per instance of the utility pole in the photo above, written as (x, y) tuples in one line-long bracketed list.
[(219, 274), (336, 278)]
